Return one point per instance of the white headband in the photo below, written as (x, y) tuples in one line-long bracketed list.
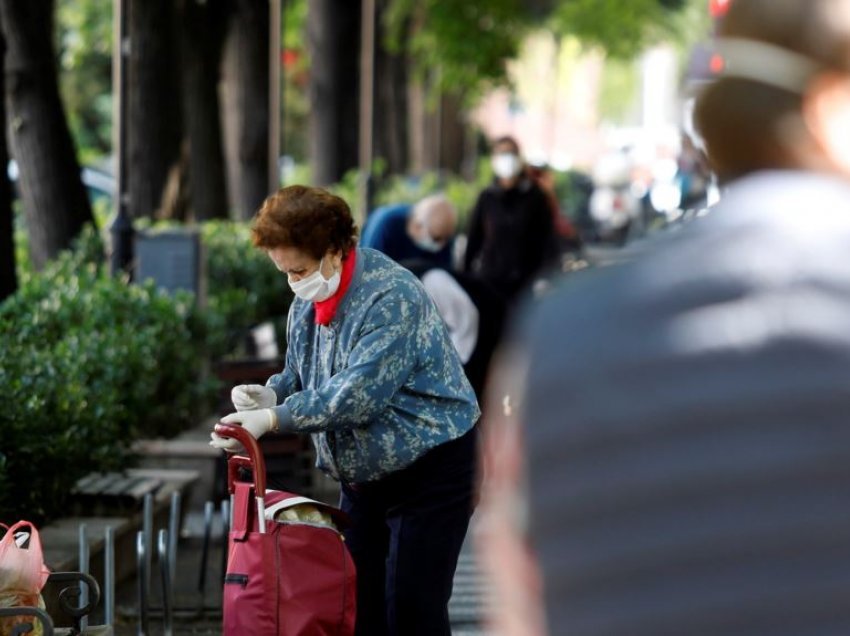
[(766, 63)]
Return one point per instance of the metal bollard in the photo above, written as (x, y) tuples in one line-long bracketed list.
[(165, 572), (205, 548), (142, 564), (173, 533), (109, 577), (227, 522), (147, 528), (84, 568)]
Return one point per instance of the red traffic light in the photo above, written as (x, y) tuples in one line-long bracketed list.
[(718, 8)]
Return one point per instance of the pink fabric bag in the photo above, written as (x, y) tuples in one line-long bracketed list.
[(22, 573)]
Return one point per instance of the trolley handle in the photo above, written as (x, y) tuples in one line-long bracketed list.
[(254, 461), (234, 463)]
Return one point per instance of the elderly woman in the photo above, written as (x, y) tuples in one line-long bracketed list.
[(372, 375)]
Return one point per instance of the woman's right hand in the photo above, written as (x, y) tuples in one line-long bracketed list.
[(248, 397)]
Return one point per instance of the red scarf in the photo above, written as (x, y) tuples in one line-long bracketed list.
[(326, 309)]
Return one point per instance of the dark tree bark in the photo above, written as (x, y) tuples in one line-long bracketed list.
[(55, 202), (8, 276), (334, 39), (447, 143), (246, 99), (453, 134), (392, 129), (155, 114), (203, 27)]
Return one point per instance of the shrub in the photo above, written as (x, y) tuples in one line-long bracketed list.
[(244, 288), (87, 364)]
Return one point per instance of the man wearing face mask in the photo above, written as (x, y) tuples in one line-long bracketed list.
[(511, 232), (424, 232), (372, 376)]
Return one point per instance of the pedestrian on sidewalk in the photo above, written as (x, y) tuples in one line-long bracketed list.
[(372, 375), (423, 232), (511, 231)]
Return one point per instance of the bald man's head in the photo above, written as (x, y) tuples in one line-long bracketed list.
[(432, 222)]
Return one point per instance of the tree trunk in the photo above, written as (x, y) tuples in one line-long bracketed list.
[(155, 116), (203, 27), (55, 202), (392, 130), (334, 38), (246, 99), (8, 277), (433, 135), (453, 134)]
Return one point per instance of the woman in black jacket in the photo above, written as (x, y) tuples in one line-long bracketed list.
[(511, 233)]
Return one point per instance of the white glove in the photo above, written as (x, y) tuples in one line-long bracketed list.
[(257, 423), (247, 397)]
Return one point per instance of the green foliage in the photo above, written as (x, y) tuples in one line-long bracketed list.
[(622, 27), (467, 43), (464, 45), (244, 288), (87, 364), (296, 66), (409, 189), (620, 85), (349, 190), (300, 173), (294, 24), (23, 264), (84, 34), (462, 193), (89, 245), (573, 189)]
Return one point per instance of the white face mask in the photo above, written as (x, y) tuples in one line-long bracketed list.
[(506, 165), (428, 244), (316, 287)]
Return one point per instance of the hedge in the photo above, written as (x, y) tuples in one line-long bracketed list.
[(87, 365)]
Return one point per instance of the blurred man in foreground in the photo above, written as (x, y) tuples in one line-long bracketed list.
[(688, 456)]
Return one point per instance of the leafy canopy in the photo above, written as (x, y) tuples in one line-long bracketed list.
[(464, 45)]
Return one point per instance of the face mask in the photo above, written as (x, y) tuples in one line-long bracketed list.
[(316, 287), (506, 165), (428, 244)]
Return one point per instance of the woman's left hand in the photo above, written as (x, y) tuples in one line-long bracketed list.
[(257, 423)]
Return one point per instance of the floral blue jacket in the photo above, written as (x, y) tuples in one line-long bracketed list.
[(381, 384)]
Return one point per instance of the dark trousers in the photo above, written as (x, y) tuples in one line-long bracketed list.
[(406, 535)]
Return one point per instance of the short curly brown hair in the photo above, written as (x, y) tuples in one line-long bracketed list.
[(310, 219)]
